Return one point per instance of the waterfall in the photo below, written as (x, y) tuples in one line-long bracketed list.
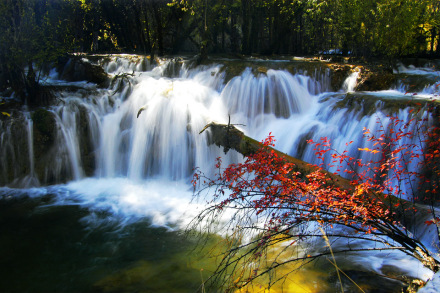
[(30, 180), (152, 132), (127, 152), (351, 82), (147, 125)]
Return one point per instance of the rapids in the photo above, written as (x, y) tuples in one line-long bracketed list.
[(126, 153)]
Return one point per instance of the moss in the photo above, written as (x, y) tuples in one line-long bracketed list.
[(75, 69), (233, 68), (376, 80), (44, 128), (338, 75), (248, 145), (367, 105)]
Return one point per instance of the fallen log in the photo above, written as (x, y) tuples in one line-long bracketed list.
[(229, 137), (411, 215)]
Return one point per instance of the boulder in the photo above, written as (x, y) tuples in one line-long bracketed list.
[(76, 68)]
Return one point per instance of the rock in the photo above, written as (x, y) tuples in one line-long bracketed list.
[(44, 130), (339, 72), (371, 77), (262, 69), (375, 78), (75, 68)]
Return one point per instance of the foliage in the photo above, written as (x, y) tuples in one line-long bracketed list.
[(361, 28), (265, 198), (35, 33)]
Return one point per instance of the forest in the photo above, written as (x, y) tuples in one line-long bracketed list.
[(115, 149), (40, 30)]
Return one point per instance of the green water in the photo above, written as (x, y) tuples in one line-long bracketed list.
[(68, 248), (54, 249)]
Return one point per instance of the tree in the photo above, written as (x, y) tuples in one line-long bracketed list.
[(34, 33), (270, 201)]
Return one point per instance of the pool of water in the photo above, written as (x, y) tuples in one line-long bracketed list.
[(49, 245)]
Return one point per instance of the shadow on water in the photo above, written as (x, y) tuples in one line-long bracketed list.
[(47, 248)]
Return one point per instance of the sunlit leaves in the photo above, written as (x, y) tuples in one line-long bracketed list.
[(265, 182), (403, 159)]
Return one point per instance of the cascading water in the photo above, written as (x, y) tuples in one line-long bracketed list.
[(351, 82), (128, 152)]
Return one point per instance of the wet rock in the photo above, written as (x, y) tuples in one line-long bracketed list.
[(44, 130), (371, 78), (375, 78), (262, 69), (75, 68), (339, 72), (366, 105)]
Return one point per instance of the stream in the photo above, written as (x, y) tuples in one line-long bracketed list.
[(100, 204)]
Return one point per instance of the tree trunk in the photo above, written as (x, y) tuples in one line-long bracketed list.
[(159, 28), (245, 27)]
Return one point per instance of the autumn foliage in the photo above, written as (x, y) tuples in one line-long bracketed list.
[(268, 190), (268, 183)]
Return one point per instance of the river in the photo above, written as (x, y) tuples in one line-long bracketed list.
[(103, 209)]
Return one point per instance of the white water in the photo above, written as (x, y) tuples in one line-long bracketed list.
[(351, 82), (144, 159), (150, 127)]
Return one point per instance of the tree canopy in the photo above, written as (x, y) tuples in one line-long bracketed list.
[(35, 32), (363, 28)]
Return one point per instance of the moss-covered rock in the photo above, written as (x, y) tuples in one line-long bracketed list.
[(74, 68), (44, 130), (376, 78), (339, 72), (366, 105)]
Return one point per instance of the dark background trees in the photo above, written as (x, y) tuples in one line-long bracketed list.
[(35, 32), (364, 28)]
